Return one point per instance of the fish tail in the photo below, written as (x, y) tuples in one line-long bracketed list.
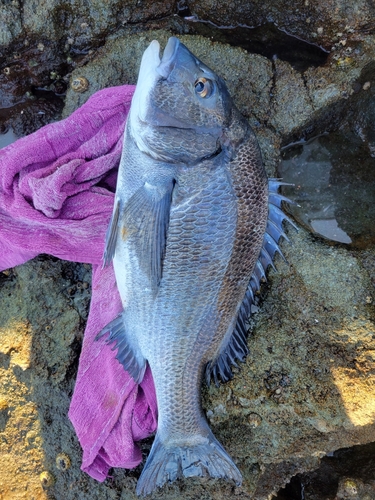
[(168, 463)]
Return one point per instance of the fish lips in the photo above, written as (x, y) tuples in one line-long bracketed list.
[(152, 67), (168, 60), (179, 64), (151, 70)]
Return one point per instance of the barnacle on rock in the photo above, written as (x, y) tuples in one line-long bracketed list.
[(47, 479), (63, 461), (79, 84), (254, 420), (3, 404), (345, 62)]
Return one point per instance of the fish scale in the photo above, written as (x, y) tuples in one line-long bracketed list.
[(192, 233)]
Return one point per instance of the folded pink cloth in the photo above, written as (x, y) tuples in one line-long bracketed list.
[(56, 197)]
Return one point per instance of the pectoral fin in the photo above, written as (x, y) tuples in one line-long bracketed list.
[(146, 219), (111, 235)]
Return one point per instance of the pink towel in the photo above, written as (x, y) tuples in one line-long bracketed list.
[(56, 197)]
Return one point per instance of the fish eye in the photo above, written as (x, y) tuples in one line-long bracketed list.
[(203, 87)]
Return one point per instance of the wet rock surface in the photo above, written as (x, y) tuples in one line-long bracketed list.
[(307, 387), (321, 22), (32, 86)]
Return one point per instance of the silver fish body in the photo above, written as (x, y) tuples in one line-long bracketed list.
[(190, 215)]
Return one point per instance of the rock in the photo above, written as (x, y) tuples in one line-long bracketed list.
[(40, 335), (10, 23), (355, 489), (81, 22), (291, 104), (307, 387), (322, 22), (347, 473)]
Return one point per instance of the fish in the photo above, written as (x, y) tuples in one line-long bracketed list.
[(195, 225)]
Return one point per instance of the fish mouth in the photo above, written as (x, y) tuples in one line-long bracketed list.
[(152, 69), (169, 56), (152, 64)]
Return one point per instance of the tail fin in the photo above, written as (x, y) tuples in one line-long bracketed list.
[(170, 463)]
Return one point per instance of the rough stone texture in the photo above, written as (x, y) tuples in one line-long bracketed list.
[(85, 23), (307, 387), (10, 23), (353, 489), (347, 473), (289, 114), (43, 311), (322, 22)]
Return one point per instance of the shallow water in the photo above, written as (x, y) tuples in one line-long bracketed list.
[(334, 177), (7, 138)]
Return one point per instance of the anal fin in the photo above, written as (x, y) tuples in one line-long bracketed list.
[(127, 352)]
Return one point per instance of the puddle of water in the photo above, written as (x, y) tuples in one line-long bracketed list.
[(334, 177), (7, 138), (266, 40)]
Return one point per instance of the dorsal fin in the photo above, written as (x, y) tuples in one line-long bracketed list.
[(237, 348)]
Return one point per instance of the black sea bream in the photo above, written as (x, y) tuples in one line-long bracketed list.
[(193, 229)]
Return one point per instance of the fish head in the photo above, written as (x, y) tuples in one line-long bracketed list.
[(181, 108)]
